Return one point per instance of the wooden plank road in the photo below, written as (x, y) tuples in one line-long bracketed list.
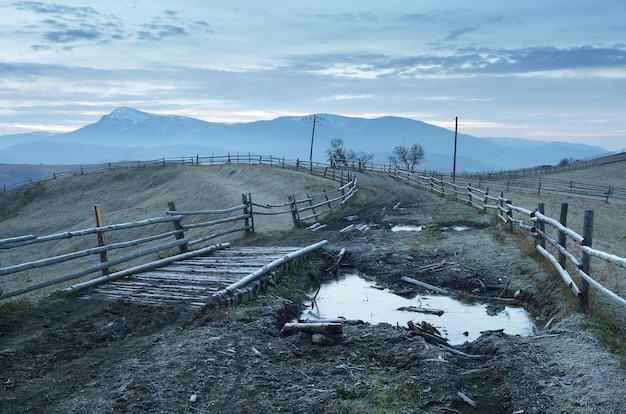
[(194, 280)]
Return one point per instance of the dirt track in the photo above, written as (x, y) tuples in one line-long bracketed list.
[(79, 355)]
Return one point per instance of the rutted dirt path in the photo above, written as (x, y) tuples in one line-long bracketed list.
[(86, 355)]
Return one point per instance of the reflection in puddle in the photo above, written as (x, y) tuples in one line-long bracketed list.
[(407, 228), (353, 297), (456, 228)]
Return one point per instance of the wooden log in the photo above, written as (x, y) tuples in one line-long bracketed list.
[(332, 328), (430, 337), (466, 399), (437, 312), (425, 285), (262, 271)]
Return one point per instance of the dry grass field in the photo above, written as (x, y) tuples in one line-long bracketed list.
[(119, 356), (609, 231), (67, 204)]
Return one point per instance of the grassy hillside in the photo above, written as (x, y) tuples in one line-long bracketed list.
[(67, 204)]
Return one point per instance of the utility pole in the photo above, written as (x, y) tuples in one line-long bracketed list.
[(316, 119), (456, 127), (312, 138)]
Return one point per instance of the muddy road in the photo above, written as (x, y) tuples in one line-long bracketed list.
[(81, 354)]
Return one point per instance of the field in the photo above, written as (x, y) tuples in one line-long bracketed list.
[(104, 356)]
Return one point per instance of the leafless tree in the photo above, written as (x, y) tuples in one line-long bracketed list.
[(409, 157)]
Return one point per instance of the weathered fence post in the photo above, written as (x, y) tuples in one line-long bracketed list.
[(486, 202), (294, 210), (248, 221), (178, 226), (586, 260), (312, 208), (562, 235), (469, 192), (541, 226), (101, 239)]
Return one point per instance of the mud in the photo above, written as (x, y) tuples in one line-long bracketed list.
[(72, 354)]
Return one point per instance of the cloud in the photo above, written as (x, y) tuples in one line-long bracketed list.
[(455, 34), (157, 32), (464, 62), (55, 9), (68, 36)]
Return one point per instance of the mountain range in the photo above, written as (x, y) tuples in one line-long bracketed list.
[(128, 134)]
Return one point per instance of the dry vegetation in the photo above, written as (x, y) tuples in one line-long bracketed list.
[(67, 204), (117, 357), (609, 235)]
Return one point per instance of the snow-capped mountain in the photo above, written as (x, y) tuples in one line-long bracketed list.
[(129, 134)]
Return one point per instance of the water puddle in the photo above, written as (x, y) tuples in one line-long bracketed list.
[(407, 228), (353, 297)]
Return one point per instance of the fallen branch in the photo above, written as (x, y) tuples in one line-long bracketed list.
[(425, 285), (461, 353), (437, 312), (430, 337), (467, 399), (332, 328)]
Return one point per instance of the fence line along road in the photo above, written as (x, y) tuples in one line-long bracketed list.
[(483, 201)]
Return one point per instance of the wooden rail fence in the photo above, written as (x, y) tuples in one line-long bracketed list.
[(190, 230), (501, 205)]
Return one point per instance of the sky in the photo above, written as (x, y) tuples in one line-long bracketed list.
[(553, 70)]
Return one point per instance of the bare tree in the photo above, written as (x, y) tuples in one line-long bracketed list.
[(337, 154), (410, 157)]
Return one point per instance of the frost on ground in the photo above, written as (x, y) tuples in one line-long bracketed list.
[(84, 354)]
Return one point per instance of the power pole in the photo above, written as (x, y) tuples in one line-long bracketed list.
[(456, 127), (312, 138)]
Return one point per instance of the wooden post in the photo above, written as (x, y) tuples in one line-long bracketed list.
[(562, 235), (541, 226), (586, 260), (178, 226), (251, 213), (294, 210), (246, 220), (101, 239), (310, 205), (486, 199)]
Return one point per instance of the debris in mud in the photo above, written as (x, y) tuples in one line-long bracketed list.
[(418, 309)]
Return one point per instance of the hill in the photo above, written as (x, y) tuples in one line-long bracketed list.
[(129, 134), (216, 359)]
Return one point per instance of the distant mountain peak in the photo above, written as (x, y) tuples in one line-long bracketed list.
[(127, 114)]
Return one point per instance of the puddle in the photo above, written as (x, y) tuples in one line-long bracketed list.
[(456, 228), (407, 228), (353, 297)]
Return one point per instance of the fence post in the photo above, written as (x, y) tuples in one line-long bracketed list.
[(562, 235), (294, 210), (586, 260), (311, 205), (469, 192), (178, 226), (101, 240), (541, 226), (486, 199), (248, 221)]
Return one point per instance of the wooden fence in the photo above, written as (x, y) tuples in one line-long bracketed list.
[(314, 168), (138, 239), (501, 205), (188, 229)]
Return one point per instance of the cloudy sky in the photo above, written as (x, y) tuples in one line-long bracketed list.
[(538, 69)]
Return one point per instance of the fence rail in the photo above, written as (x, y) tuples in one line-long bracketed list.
[(483, 201), (184, 224), (189, 229)]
